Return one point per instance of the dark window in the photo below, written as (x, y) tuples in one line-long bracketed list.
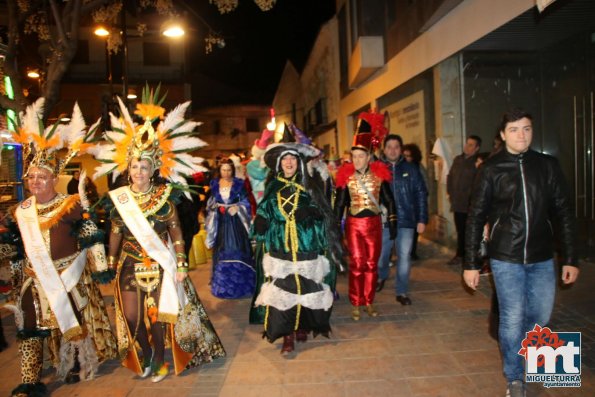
[(82, 53), (217, 127), (156, 54), (317, 115), (252, 125)]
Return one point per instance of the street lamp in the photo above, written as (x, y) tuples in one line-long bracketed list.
[(172, 29), (101, 31), (33, 74)]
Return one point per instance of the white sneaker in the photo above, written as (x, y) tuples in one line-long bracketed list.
[(160, 374), (147, 370)]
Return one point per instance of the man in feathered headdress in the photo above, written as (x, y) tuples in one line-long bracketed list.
[(362, 187), (59, 255)]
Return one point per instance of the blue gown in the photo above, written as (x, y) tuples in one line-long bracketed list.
[(233, 273)]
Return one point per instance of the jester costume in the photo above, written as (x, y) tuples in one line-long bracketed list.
[(233, 268), (57, 257)]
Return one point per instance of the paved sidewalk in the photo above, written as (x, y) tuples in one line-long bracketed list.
[(439, 346)]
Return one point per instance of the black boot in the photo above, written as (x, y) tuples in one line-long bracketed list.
[(3, 343)]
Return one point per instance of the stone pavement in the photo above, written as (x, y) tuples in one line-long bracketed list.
[(439, 346)]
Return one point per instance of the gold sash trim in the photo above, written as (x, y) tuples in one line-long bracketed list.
[(52, 283), (171, 294)]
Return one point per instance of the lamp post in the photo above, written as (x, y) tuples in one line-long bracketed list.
[(170, 29)]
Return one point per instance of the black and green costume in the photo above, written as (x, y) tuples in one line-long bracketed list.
[(294, 275)]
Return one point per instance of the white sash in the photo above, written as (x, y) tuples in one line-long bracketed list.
[(172, 293), (54, 285)]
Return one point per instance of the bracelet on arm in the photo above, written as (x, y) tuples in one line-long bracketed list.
[(181, 255), (178, 242), (111, 262), (183, 267)]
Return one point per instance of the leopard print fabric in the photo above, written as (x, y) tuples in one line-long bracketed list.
[(31, 359)]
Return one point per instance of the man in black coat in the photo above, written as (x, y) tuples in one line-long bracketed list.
[(519, 192), (458, 186)]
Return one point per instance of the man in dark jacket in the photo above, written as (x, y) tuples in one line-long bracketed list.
[(410, 194), (517, 192), (458, 186)]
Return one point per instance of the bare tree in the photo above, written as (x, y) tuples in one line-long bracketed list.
[(57, 25)]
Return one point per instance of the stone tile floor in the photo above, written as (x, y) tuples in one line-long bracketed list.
[(439, 346)]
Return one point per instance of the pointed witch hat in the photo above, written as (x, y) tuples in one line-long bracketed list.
[(288, 145)]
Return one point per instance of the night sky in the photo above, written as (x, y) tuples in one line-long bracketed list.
[(258, 44)]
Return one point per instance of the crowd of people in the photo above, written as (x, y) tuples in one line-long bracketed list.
[(281, 226)]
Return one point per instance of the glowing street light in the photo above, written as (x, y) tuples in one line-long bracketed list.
[(173, 30), (33, 74), (101, 31)]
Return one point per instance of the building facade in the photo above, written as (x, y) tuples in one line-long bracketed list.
[(445, 69)]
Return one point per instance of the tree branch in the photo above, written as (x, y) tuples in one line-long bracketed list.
[(92, 6), (10, 62), (58, 20)]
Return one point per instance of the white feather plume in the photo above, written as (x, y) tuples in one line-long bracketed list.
[(30, 119), (105, 168), (175, 116), (76, 127), (188, 143), (124, 112), (117, 122), (82, 190)]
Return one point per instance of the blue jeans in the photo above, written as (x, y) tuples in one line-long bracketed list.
[(403, 244), (525, 298)]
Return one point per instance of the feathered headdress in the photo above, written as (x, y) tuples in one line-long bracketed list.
[(40, 143), (167, 146)]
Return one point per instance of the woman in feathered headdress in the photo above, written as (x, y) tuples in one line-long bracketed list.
[(362, 187), (146, 245), (58, 253)]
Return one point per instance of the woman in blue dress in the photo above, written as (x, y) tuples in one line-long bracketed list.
[(228, 225)]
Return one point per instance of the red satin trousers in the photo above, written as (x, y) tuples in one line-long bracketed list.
[(364, 240)]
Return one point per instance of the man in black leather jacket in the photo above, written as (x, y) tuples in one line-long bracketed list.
[(518, 192)]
